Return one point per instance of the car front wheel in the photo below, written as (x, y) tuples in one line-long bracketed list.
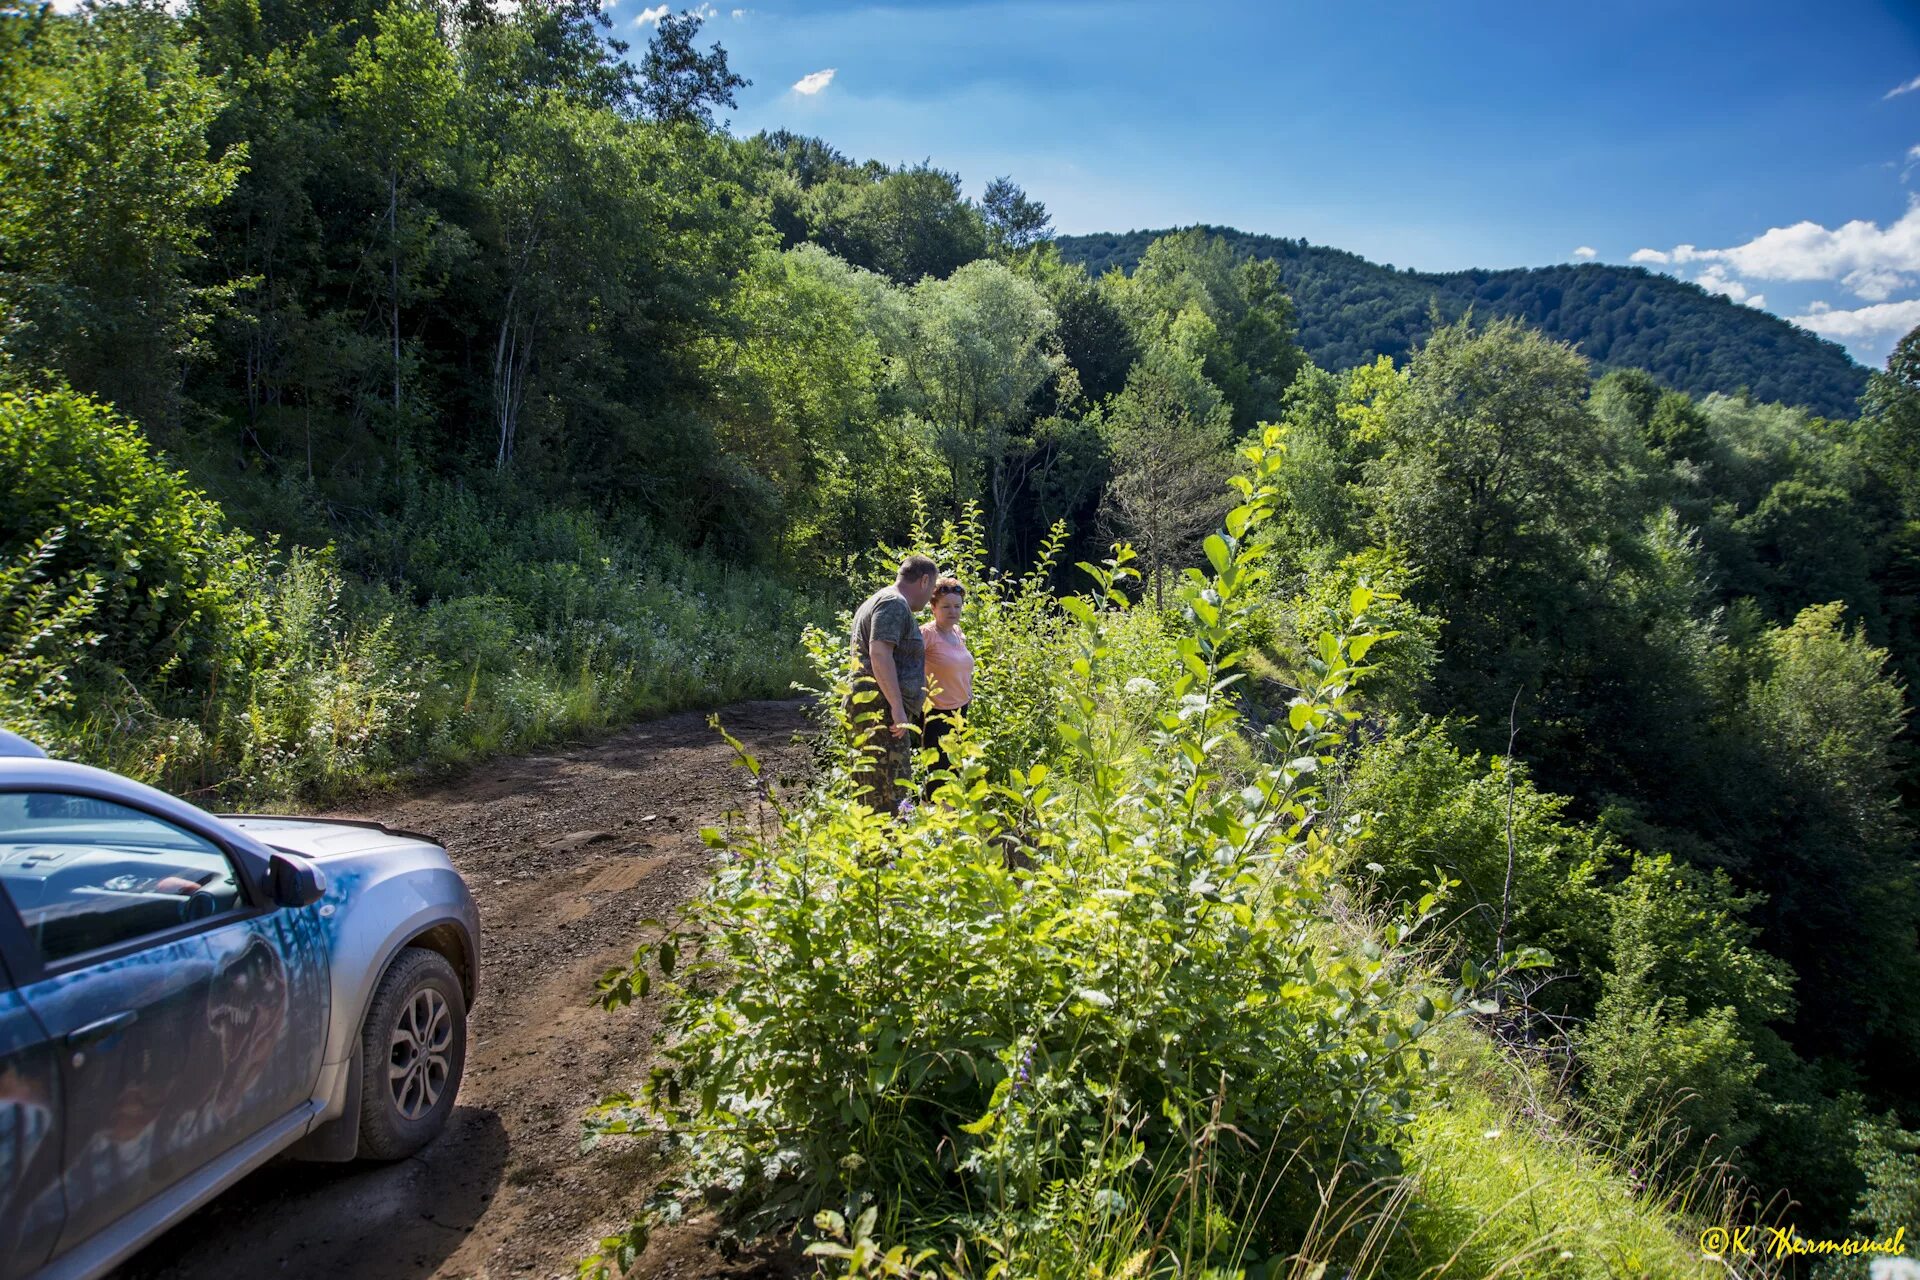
[(413, 1049)]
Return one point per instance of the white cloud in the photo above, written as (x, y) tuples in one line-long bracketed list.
[(1875, 284), (1757, 301), (1913, 152), (1818, 307), (704, 12), (1716, 280), (651, 17), (738, 14), (813, 82), (1881, 318), (1899, 89), (1586, 251), (1868, 259)]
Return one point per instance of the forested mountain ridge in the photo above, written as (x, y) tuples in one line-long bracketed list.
[(1351, 310)]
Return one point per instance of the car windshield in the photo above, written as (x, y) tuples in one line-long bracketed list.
[(42, 817)]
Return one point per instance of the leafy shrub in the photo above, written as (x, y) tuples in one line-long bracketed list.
[(1038, 995), (1686, 996), (336, 702), (39, 619), (1434, 811), (1888, 1156), (1402, 669), (173, 606)]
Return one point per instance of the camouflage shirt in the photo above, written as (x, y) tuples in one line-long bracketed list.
[(886, 615)]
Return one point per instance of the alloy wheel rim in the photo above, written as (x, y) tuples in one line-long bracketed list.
[(419, 1059)]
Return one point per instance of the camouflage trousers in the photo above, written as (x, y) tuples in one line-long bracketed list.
[(886, 762)]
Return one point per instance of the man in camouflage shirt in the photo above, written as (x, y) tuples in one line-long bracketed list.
[(890, 678)]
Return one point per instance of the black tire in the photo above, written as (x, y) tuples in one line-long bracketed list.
[(413, 1048)]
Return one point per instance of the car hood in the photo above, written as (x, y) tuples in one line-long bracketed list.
[(323, 838)]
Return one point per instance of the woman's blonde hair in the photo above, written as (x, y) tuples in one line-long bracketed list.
[(949, 587)]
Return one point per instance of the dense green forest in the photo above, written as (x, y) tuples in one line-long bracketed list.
[(1352, 310), (1391, 751)]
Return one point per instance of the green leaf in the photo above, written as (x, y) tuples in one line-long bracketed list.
[(985, 1122)]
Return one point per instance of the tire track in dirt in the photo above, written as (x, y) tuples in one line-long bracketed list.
[(566, 852)]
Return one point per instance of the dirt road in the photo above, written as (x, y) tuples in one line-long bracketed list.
[(566, 852)]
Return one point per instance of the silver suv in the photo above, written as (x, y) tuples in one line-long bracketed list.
[(183, 997)]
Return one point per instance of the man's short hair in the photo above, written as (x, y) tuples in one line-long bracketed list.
[(916, 567)]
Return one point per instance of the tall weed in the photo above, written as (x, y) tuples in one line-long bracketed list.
[(1034, 997)]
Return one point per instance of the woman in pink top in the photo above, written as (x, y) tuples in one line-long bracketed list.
[(949, 667)]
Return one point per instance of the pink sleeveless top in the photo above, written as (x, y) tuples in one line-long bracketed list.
[(949, 666)]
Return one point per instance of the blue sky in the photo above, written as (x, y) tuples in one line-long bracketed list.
[(1760, 148)]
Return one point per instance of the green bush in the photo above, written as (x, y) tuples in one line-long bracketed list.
[(1036, 999), (1685, 998), (1403, 669), (336, 704), (1435, 811), (1888, 1157), (41, 638), (174, 606)]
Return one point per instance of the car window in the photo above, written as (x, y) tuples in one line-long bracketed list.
[(85, 874)]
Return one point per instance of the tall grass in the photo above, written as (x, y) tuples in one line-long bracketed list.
[(469, 625), (1490, 1187)]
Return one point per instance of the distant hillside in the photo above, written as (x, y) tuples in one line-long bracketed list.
[(1351, 310)]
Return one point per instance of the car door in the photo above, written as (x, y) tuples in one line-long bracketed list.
[(155, 971), (32, 1204), (267, 1008)]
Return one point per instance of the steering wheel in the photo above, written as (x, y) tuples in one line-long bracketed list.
[(201, 901)]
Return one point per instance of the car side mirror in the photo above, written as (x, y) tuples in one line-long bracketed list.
[(296, 882)]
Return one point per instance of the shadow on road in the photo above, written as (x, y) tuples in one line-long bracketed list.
[(371, 1221)]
